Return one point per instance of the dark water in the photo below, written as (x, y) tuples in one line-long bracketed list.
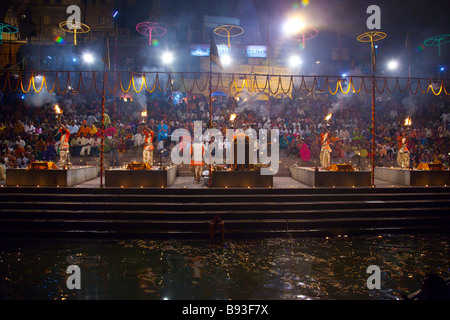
[(306, 268)]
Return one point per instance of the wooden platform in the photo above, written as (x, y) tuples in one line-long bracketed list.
[(241, 179), (413, 177), (140, 178), (51, 177), (324, 178)]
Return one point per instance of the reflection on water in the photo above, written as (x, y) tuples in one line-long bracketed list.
[(306, 268)]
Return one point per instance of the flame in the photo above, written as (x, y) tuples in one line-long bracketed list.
[(144, 114), (57, 109), (408, 121), (328, 117), (232, 117)]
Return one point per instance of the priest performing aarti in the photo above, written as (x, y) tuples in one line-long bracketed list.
[(64, 147), (147, 155), (403, 152), (325, 150)]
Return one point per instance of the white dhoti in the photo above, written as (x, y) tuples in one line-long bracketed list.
[(198, 171), (64, 156), (325, 156), (147, 156), (2, 171), (403, 158), (85, 150)]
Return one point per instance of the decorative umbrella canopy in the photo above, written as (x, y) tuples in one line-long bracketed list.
[(149, 29), (74, 27), (305, 34), (228, 31), (371, 37), (6, 28), (437, 41)]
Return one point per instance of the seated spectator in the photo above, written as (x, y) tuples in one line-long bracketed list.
[(84, 129), (161, 149), (305, 153), (79, 144), (95, 146), (20, 141), (128, 139), (121, 146), (382, 152), (49, 153), (40, 147), (22, 161), (9, 160), (86, 145), (110, 131)]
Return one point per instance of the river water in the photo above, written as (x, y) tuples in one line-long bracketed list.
[(278, 268)]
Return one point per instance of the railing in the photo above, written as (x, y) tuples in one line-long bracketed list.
[(193, 82)]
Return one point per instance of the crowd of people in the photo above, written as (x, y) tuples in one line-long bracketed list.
[(29, 133)]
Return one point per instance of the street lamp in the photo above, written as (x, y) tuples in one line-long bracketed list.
[(392, 65), (88, 58), (226, 59), (295, 61), (167, 57), (293, 26)]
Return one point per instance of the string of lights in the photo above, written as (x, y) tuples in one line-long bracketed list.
[(63, 82)]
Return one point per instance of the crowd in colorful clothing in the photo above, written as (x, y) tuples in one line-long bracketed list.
[(29, 133)]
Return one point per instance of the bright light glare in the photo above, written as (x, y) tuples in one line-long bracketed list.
[(293, 26), (226, 59), (295, 61), (167, 57), (392, 65), (88, 57)]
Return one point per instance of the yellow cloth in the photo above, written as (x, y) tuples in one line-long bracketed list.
[(42, 165)]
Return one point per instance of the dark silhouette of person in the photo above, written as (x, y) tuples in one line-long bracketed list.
[(433, 288)]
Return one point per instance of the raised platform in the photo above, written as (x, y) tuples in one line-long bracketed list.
[(240, 179), (413, 177), (155, 178), (51, 177), (325, 178)]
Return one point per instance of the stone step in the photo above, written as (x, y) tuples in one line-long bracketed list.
[(287, 215), (116, 212), (48, 197), (212, 206)]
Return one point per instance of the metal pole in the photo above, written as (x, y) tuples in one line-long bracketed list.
[(103, 130), (210, 115), (373, 112)]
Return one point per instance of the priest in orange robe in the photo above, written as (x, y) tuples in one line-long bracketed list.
[(147, 154), (325, 150)]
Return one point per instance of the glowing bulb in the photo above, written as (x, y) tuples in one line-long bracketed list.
[(392, 65), (295, 61), (167, 57), (293, 26), (226, 59), (88, 57)]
